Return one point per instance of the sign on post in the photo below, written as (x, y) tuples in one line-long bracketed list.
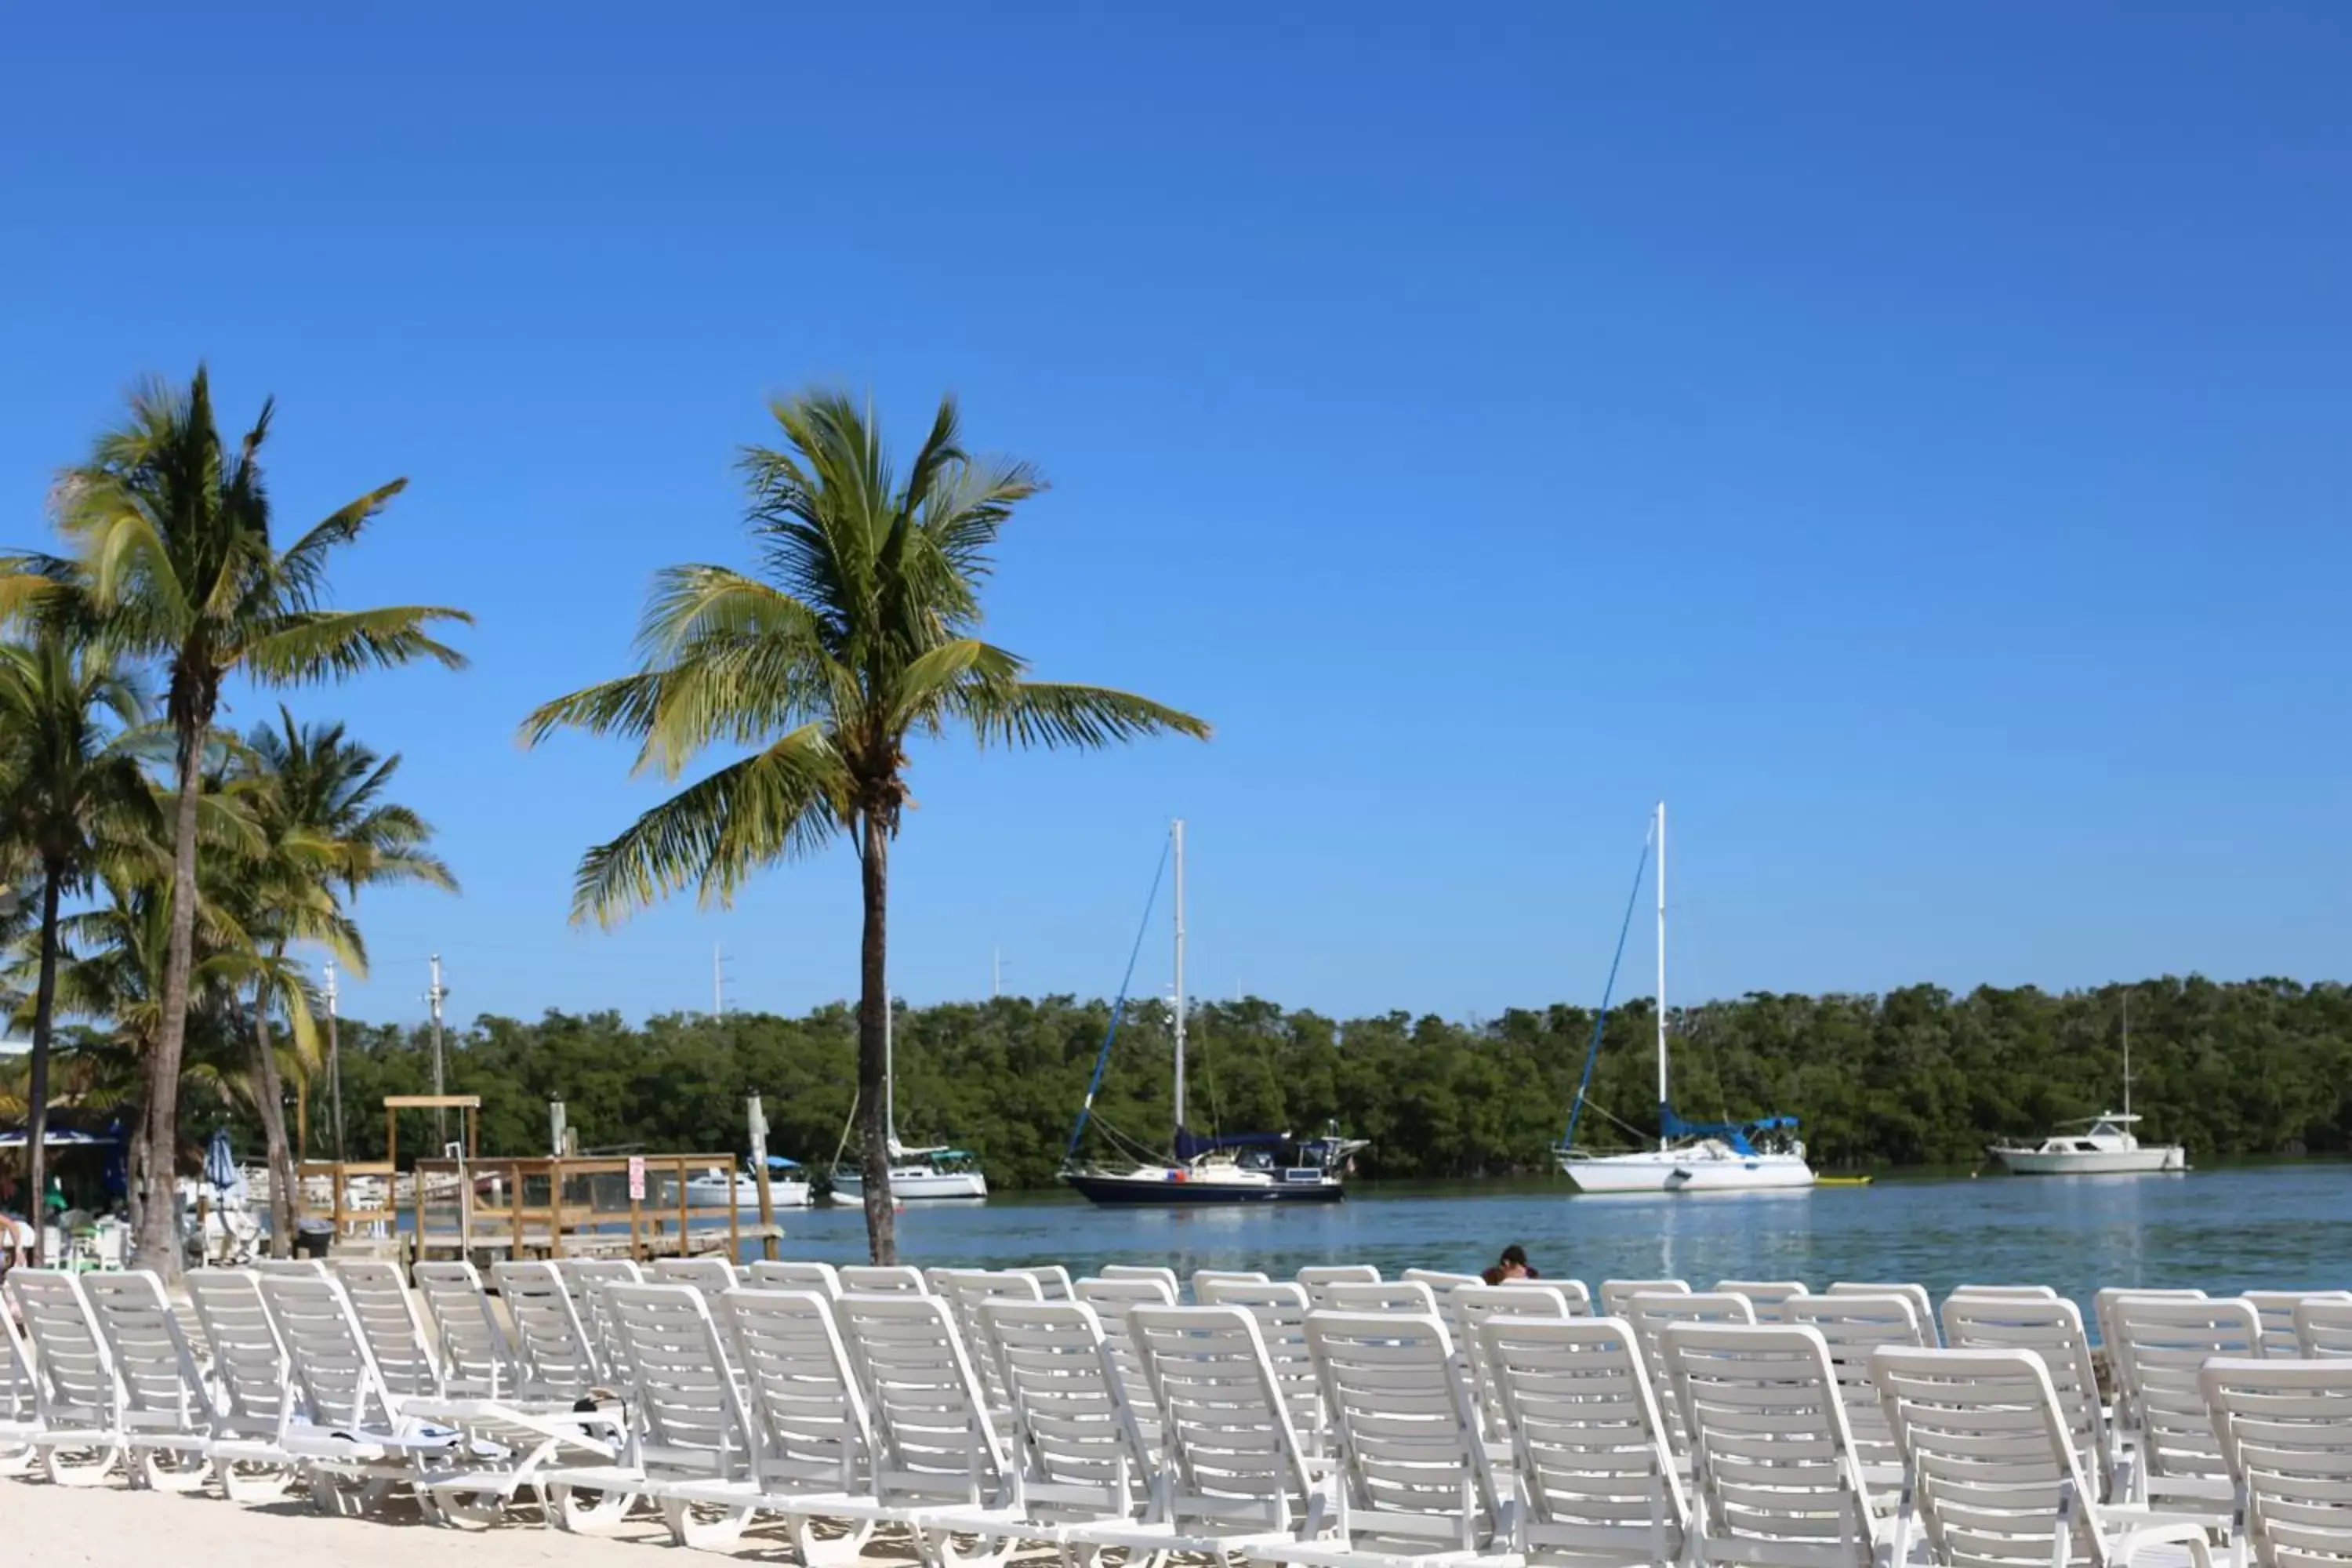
[(636, 1178)]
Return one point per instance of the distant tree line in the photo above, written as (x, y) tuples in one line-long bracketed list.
[(1918, 1076)]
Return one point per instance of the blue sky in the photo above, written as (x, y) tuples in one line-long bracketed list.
[(1912, 440)]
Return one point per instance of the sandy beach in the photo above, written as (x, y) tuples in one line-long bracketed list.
[(46, 1526)]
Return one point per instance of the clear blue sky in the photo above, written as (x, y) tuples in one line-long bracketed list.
[(1915, 441)]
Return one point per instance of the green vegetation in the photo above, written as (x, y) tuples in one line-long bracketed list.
[(1918, 1076), (858, 635)]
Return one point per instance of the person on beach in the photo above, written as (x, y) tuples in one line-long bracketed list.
[(1513, 1266)]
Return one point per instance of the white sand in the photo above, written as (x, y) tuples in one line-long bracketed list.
[(42, 1526)]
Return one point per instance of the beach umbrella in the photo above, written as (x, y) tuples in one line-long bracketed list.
[(220, 1165)]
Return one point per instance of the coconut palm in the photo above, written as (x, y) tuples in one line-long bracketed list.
[(173, 559), (855, 633), (69, 780), (324, 831)]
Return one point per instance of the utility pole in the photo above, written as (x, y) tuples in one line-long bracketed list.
[(717, 982), (996, 975), (334, 1063), (435, 996)]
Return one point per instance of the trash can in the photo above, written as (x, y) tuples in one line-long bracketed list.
[(312, 1238)]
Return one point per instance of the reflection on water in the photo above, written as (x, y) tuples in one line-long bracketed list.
[(2279, 1226)]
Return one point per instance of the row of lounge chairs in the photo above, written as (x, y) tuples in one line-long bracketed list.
[(1336, 1421)]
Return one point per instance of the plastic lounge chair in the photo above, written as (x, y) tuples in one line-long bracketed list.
[(1853, 1324), (1997, 1477), (395, 1330), (1589, 1443), (965, 1290), (1775, 1474), (2165, 1344), (556, 1357), (477, 1360), (2051, 1329), (259, 1404), (712, 1277), (882, 1279), (1113, 1300), (77, 1399), (1224, 1276), (1650, 1314), (19, 1398), (1407, 1297), (167, 1405), (820, 1278), (1280, 1310), (2277, 1311), (585, 1278), (2286, 1431), (1476, 1304), (1616, 1293), (2322, 1329), (353, 1442), (1769, 1296), (1232, 1475), (690, 1423), (1053, 1282), (1316, 1277), (1922, 1306), (1139, 1271), (1411, 1470)]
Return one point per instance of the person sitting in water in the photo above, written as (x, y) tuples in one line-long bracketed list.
[(1513, 1266)]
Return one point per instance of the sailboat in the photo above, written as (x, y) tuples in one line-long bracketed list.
[(2100, 1145), (1229, 1168), (916, 1174), (1764, 1154)]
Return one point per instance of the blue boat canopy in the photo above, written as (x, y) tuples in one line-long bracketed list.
[(1735, 1133), (1190, 1144)]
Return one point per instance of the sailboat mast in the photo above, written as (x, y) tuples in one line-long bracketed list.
[(1176, 830), (1662, 975), (2126, 1053)]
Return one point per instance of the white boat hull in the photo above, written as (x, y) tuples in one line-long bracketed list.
[(1692, 1170), (783, 1192), (914, 1183), (2140, 1162)]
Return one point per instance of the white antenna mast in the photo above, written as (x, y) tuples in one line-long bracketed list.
[(2126, 1053), (1176, 828)]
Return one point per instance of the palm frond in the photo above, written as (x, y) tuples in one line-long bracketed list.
[(303, 566), (325, 644), (1055, 715)]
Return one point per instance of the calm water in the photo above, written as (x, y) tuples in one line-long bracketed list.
[(2276, 1226)]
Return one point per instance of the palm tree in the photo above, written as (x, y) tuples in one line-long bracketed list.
[(325, 831), (855, 634), (172, 559), (67, 781)]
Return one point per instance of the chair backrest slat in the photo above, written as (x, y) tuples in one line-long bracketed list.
[(1409, 1297), (73, 1368), (1853, 1324), (1165, 1276), (1922, 1306), (1769, 1296), (1650, 1313), (1112, 1300), (1231, 1458), (965, 1290), (558, 1357), (2323, 1328), (2283, 1427), (388, 1316), (1616, 1293), (1411, 1458), (2053, 1331), (932, 1430), (802, 1391), (476, 1359), (1317, 1278), (820, 1278), (691, 1421), (1473, 1304), (249, 1359), (1081, 1455), (1279, 1310), (2165, 1344), (2277, 1309), (327, 1353), (883, 1279), (163, 1388)]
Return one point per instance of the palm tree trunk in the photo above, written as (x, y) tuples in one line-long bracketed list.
[(158, 1242), (37, 1110), (269, 1096), (873, 1019)]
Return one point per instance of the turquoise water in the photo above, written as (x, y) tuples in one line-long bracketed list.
[(2284, 1227)]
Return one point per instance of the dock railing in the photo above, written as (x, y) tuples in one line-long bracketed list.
[(634, 1205)]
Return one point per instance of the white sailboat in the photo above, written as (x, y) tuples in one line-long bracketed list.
[(788, 1186), (916, 1174), (2100, 1145), (1691, 1157)]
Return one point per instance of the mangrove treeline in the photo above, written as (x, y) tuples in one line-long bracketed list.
[(1917, 1075)]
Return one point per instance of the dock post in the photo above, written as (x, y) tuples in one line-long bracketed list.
[(758, 1119)]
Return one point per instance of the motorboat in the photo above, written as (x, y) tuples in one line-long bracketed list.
[(2100, 1145), (916, 1175), (1203, 1168), (1764, 1154), (788, 1186)]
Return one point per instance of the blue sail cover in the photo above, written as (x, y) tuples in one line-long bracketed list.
[(1192, 1145), (1735, 1133)]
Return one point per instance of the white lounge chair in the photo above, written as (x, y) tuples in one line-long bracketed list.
[(1773, 1463), (1053, 1282), (585, 1278), (1231, 1474), (1442, 1285), (1589, 1443), (711, 1276), (2007, 1292), (396, 1332), (475, 1359), (1769, 1296), (1279, 1310), (1475, 1304), (1997, 1477), (1129, 1271), (20, 1400), (2053, 1331), (937, 1448), (2285, 1430), (555, 1353), (1408, 1297), (2277, 1309), (1225, 1276), (1112, 1300), (2164, 1343), (1615, 1294), (291, 1267), (353, 1442), (965, 1290), (1853, 1324), (1650, 1313), (882, 1279), (820, 1278), (689, 1421), (259, 1404), (1411, 1468), (1317, 1277), (2322, 1329), (167, 1405), (79, 1400), (1921, 1308)]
